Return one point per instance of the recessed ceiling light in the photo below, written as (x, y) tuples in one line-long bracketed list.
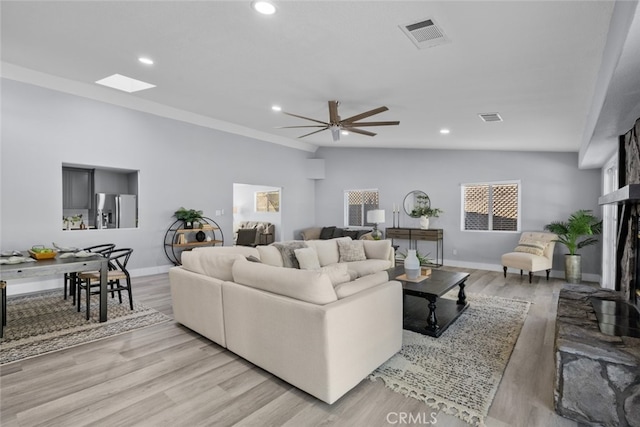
[(124, 83), (264, 7), (276, 108), (444, 131), (344, 132), (146, 61)]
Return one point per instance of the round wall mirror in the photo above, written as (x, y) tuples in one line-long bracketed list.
[(414, 202)]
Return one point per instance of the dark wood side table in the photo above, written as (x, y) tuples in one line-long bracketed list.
[(429, 314)]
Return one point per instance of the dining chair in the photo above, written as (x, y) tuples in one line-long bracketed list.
[(70, 278), (118, 279)]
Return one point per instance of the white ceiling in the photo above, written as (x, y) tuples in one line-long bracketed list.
[(539, 64)]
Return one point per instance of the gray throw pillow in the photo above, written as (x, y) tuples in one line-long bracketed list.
[(287, 250)]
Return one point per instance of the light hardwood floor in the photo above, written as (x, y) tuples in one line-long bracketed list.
[(169, 375)]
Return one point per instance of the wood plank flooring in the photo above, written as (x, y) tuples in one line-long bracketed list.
[(167, 375)]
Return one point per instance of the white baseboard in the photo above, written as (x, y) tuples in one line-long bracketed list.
[(586, 277)]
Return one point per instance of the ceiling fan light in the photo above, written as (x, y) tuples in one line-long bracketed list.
[(264, 7)]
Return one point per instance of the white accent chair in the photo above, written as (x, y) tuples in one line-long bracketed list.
[(533, 253)]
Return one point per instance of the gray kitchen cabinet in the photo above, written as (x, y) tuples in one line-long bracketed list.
[(77, 188)]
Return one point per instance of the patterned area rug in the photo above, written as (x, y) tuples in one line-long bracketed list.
[(459, 372), (44, 322)]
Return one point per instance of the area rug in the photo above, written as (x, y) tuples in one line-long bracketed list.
[(459, 372), (43, 322)]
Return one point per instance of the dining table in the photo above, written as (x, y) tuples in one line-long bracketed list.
[(59, 266)]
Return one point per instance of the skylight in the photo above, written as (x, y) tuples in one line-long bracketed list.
[(124, 83)]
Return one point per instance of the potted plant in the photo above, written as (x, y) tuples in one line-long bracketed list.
[(576, 233), (189, 216), (424, 211)]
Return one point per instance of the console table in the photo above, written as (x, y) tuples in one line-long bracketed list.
[(413, 235)]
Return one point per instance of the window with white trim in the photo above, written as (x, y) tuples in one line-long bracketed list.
[(356, 205), (493, 206)]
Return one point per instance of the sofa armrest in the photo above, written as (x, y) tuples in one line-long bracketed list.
[(324, 350), (312, 233), (197, 303)]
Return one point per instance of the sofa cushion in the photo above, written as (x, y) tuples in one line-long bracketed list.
[(369, 266), (338, 232), (242, 250), (377, 249), (216, 265), (337, 273), (351, 250), (327, 233), (287, 249), (327, 250), (311, 286), (531, 246), (307, 258), (346, 289), (351, 233), (270, 255)]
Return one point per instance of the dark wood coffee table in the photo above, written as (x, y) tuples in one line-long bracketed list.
[(439, 312)]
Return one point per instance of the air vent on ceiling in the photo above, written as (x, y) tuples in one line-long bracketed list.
[(490, 117), (425, 33)]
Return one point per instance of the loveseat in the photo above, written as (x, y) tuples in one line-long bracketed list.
[(264, 232), (333, 232), (322, 330)]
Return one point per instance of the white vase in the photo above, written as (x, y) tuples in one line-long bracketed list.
[(424, 222), (411, 265)]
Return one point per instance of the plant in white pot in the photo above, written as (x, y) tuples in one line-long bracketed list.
[(424, 211), (576, 233)]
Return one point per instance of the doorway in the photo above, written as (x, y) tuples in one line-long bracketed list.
[(259, 203)]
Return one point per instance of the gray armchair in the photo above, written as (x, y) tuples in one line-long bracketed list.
[(264, 233)]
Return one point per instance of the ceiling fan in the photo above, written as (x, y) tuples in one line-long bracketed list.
[(336, 125)]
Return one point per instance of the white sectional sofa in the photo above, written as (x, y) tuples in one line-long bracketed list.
[(318, 329)]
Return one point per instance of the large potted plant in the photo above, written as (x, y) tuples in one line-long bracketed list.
[(576, 233), (189, 216)]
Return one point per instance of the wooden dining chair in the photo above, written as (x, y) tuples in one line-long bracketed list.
[(118, 279), (70, 278)]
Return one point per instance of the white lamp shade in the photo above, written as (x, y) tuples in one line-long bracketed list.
[(375, 216)]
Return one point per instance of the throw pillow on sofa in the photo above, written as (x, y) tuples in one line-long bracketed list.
[(327, 233), (351, 250), (287, 249), (307, 258)]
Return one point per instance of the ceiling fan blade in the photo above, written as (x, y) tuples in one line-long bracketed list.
[(316, 131), (393, 123), (333, 112), (306, 118), (364, 115), (360, 131), (294, 127)]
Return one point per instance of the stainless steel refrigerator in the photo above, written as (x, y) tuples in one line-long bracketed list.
[(116, 210)]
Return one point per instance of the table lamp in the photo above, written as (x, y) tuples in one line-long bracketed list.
[(376, 217)]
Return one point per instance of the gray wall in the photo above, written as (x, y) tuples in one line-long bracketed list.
[(180, 165), (552, 187)]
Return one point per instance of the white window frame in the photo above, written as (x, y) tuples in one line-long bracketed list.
[(492, 183), (345, 202)]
